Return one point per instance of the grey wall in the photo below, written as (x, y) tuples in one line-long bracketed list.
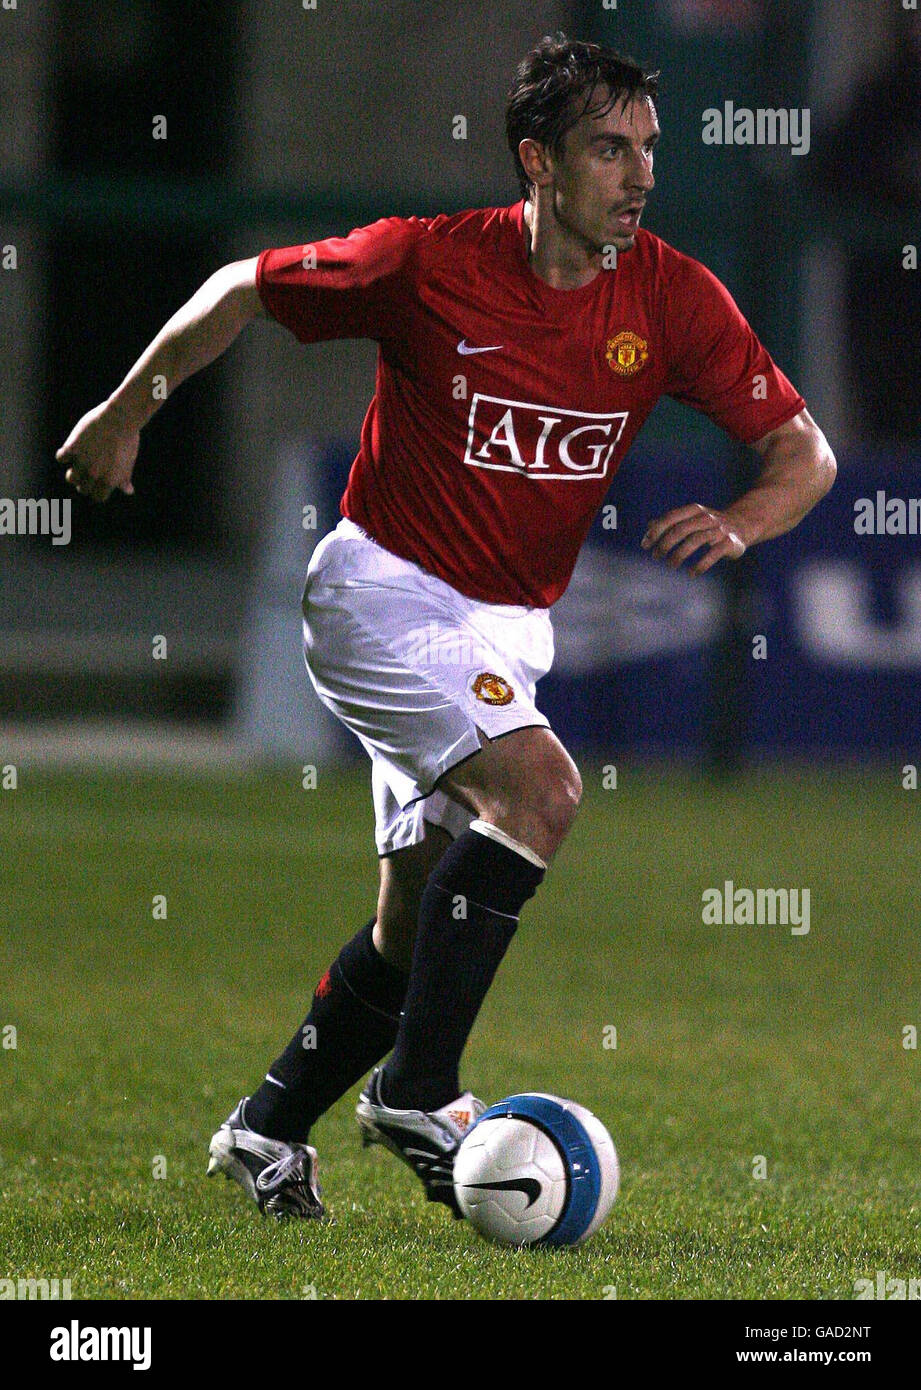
[(26, 35)]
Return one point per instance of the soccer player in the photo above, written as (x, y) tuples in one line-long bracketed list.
[(520, 350)]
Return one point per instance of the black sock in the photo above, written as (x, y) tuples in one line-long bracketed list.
[(355, 1015), (454, 961)]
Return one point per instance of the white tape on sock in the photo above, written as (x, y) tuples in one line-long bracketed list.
[(492, 832)]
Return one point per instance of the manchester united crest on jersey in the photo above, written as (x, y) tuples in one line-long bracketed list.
[(627, 353), (492, 689)]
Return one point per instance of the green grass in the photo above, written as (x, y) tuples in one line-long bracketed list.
[(136, 1036)]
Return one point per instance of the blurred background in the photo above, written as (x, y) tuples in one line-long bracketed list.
[(284, 124)]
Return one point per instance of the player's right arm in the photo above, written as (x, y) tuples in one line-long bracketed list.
[(102, 447)]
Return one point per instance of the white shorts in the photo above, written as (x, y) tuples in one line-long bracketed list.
[(414, 668)]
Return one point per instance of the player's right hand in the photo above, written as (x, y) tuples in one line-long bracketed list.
[(100, 452)]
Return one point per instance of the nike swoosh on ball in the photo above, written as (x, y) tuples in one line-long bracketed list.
[(529, 1186)]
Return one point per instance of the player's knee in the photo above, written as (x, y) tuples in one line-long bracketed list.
[(560, 804), (527, 785), (541, 813), (558, 788)]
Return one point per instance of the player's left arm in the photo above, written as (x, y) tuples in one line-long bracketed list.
[(797, 471)]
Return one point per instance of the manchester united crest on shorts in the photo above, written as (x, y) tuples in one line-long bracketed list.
[(627, 353), (492, 689)]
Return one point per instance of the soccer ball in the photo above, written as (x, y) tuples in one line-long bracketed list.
[(536, 1170)]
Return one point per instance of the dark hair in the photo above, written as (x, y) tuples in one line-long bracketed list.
[(543, 102)]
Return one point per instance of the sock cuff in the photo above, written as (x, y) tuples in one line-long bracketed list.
[(485, 870), (492, 832)]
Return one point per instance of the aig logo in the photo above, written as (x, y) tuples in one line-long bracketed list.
[(540, 441)]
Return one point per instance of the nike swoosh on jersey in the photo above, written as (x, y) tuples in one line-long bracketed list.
[(529, 1186), (465, 350)]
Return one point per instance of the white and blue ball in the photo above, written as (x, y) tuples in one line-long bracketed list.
[(536, 1169)]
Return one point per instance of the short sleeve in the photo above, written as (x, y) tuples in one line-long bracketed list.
[(716, 362), (343, 287)]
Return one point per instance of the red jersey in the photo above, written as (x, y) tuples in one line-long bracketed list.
[(503, 407)]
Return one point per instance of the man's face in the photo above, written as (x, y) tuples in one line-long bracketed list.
[(604, 172)]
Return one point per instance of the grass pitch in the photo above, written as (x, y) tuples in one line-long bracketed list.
[(135, 1036)]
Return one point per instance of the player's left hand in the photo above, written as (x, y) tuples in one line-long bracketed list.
[(677, 534)]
